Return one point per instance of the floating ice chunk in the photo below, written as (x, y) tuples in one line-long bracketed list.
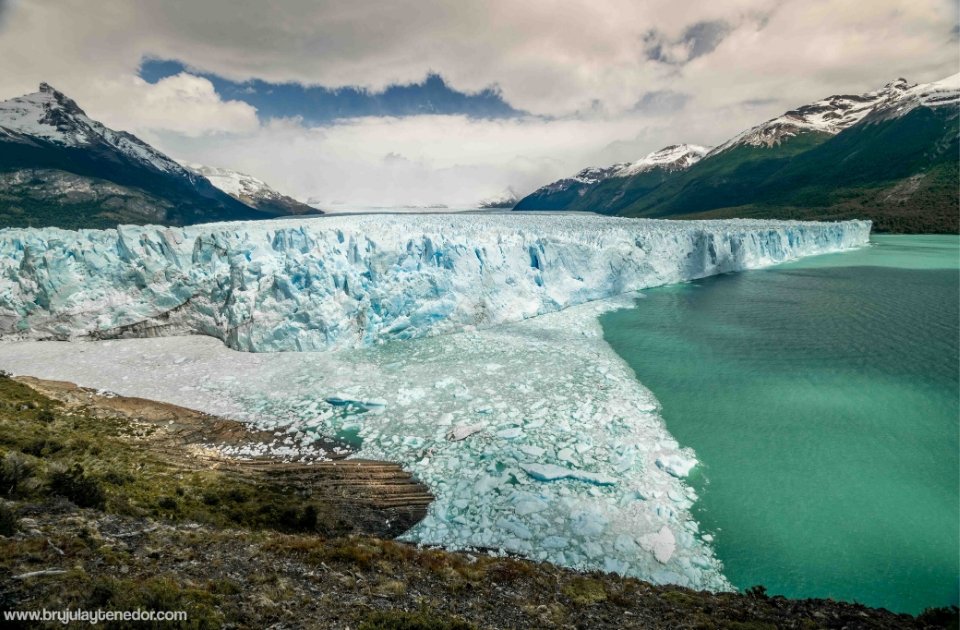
[(532, 451), (525, 503), (588, 523), (515, 527), (463, 432), (554, 542), (345, 400), (662, 544), (484, 484), (510, 433), (552, 472), (676, 464)]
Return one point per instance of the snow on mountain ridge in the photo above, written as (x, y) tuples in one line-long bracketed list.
[(235, 183), (833, 114), (51, 116), (936, 94), (675, 157)]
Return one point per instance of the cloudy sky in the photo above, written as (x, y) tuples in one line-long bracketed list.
[(440, 101)]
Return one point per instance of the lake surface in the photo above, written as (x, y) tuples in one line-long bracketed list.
[(821, 398)]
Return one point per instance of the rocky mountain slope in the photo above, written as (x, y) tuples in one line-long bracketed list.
[(58, 167), (890, 155), (251, 191), (564, 193)]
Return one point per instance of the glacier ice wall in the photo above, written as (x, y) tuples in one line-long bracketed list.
[(317, 284)]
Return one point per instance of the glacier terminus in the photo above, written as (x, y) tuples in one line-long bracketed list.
[(304, 285)]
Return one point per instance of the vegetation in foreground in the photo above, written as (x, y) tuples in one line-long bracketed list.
[(97, 511)]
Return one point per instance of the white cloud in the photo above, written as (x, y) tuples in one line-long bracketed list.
[(183, 103), (435, 159), (723, 66)]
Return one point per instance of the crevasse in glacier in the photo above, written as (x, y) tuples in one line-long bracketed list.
[(318, 284)]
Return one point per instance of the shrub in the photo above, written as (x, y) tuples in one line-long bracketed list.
[(77, 486), (940, 617), (757, 592), (237, 495), (14, 470), (294, 520), (585, 591), (8, 520), (42, 447), (118, 477)]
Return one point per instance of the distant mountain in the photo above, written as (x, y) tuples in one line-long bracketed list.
[(507, 199), (60, 168), (251, 191), (566, 193), (890, 156), (829, 116)]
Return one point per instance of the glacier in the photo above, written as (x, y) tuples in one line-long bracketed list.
[(354, 281), (533, 435)]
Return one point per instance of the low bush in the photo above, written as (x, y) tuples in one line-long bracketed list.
[(8, 520), (74, 484)]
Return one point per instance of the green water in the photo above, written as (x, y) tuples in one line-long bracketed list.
[(822, 400)]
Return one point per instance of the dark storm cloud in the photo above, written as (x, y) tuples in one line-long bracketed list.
[(704, 37), (697, 40)]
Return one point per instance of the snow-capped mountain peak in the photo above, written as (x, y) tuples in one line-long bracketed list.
[(48, 115), (936, 94), (833, 114), (675, 157)]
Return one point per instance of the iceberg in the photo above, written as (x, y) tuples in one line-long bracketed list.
[(552, 472), (354, 281)]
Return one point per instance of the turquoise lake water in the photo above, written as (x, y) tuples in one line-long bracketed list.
[(821, 398)]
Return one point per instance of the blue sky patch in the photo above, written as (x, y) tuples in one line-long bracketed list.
[(319, 105)]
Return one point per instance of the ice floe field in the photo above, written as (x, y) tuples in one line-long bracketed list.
[(466, 348)]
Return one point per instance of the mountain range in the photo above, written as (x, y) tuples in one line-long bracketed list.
[(890, 155), (58, 167)]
